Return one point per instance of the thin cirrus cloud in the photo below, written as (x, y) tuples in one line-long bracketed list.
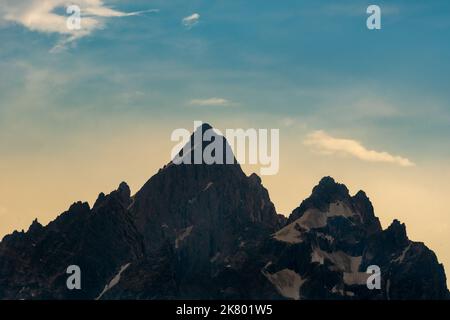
[(41, 16), (211, 102), (327, 144), (191, 20)]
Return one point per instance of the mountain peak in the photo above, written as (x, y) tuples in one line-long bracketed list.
[(361, 195), (35, 226), (362, 203), (397, 231), (329, 185), (327, 180), (205, 126), (124, 189), (328, 190), (203, 140)]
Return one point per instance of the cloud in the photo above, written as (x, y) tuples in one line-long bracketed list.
[(330, 145), (213, 102), (191, 20), (49, 16)]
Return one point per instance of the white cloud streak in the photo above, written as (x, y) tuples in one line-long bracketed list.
[(191, 20), (211, 102), (327, 144), (41, 16)]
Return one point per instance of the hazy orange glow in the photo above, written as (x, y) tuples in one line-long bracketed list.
[(44, 184)]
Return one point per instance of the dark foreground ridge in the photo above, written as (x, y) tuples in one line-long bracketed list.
[(211, 232)]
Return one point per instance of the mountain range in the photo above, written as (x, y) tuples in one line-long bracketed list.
[(211, 232)]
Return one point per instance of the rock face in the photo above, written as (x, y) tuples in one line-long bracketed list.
[(198, 231), (331, 240), (34, 264)]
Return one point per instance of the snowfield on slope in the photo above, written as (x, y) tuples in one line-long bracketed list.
[(312, 219)]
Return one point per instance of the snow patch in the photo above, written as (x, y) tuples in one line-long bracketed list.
[(312, 219), (114, 280), (339, 208), (289, 233), (355, 278), (183, 235), (208, 186), (214, 259), (325, 236), (287, 282), (340, 260), (401, 258), (342, 292), (344, 263)]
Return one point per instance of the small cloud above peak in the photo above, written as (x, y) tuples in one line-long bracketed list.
[(326, 144), (211, 102), (191, 20)]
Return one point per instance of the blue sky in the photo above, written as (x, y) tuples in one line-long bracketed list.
[(313, 61)]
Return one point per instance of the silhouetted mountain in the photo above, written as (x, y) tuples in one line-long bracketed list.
[(201, 231)]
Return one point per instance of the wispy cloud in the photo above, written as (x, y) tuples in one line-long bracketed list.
[(44, 16), (327, 144), (191, 20), (212, 102)]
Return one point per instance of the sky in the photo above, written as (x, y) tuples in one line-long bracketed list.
[(83, 110)]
